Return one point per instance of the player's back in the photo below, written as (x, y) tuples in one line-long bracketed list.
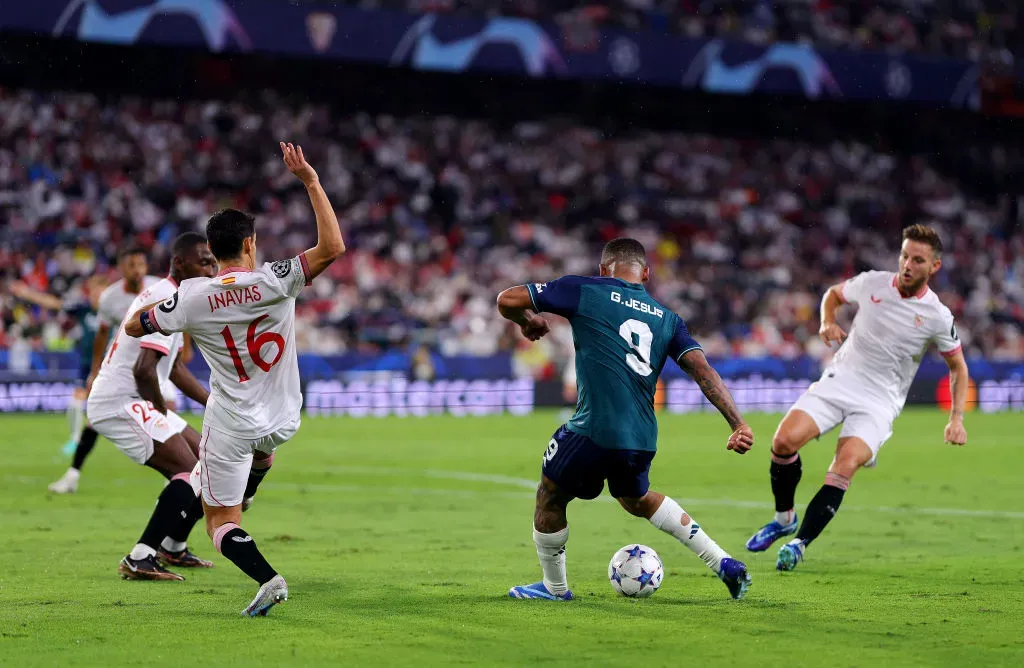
[(244, 325), (623, 338), (115, 382), (115, 300)]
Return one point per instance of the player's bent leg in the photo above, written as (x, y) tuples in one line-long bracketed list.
[(174, 459), (665, 514), (851, 454), (177, 455), (193, 438), (550, 534), (797, 428), (68, 483), (76, 418), (224, 464)]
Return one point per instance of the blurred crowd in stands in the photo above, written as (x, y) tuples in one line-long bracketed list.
[(988, 30), (440, 214)]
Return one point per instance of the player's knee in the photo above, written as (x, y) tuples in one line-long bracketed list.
[(785, 442), (644, 506), (850, 456), (632, 506), (546, 500)]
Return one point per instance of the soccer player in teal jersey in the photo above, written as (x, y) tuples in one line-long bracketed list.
[(623, 337)]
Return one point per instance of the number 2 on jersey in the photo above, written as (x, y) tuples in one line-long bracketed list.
[(638, 335), (253, 344)]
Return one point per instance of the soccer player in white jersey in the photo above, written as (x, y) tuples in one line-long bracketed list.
[(865, 386), (126, 405), (110, 311), (243, 322)]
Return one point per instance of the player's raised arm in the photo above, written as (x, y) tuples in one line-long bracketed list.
[(831, 332), (710, 383), (516, 304), (329, 243)]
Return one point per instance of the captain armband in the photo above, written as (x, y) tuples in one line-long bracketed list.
[(146, 320)]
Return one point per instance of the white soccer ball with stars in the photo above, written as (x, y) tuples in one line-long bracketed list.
[(636, 571)]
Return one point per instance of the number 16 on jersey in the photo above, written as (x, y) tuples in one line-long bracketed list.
[(254, 344)]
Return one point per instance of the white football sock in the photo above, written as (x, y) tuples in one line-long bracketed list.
[(551, 553), (669, 518), (141, 551), (172, 545), (72, 474), (785, 517), (76, 417)]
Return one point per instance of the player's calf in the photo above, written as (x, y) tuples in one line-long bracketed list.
[(785, 471), (823, 507), (233, 542), (851, 454), (820, 511), (260, 469), (174, 500), (174, 550), (550, 534), (672, 519)]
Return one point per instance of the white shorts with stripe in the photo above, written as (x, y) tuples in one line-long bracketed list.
[(225, 460), (134, 427), (830, 403)]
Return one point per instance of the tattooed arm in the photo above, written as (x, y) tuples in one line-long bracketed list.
[(710, 383)]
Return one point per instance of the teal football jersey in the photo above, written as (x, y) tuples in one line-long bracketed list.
[(623, 337)]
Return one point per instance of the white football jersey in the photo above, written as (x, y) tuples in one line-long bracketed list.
[(115, 300), (889, 337), (115, 384), (244, 325)]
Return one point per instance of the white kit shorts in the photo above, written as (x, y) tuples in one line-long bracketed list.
[(225, 461), (135, 427), (831, 402)]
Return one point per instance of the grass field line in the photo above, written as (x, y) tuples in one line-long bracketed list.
[(524, 483), (730, 503)]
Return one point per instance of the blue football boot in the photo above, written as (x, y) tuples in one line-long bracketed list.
[(790, 554), (770, 533), (733, 573), (538, 590)]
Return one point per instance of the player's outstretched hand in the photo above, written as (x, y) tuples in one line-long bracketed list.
[(741, 440), (955, 434), (830, 332), (535, 328), (297, 164)]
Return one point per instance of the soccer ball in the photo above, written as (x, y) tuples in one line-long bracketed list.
[(636, 571)]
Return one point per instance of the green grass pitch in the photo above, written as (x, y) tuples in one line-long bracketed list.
[(400, 538)]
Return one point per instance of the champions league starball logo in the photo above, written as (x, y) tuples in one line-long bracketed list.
[(127, 21), (423, 49), (711, 71)]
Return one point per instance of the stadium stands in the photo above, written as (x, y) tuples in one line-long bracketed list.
[(441, 213)]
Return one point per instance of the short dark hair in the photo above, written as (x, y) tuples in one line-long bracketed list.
[(185, 242), (625, 250), (925, 235), (226, 230), (128, 251)]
